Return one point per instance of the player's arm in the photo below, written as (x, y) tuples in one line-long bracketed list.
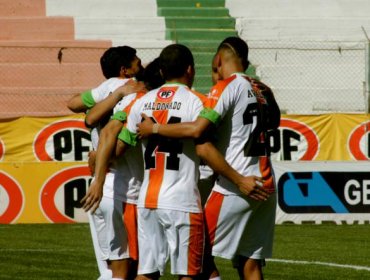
[(103, 108), (176, 130), (76, 104), (104, 153), (248, 185), (273, 113)]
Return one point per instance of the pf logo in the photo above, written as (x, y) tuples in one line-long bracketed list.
[(359, 142), (293, 141), (61, 195), (165, 94), (11, 199), (67, 140)]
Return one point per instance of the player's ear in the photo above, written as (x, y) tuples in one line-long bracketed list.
[(123, 71), (218, 60), (190, 70)]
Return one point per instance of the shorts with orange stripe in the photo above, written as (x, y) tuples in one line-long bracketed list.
[(170, 234), (240, 226), (116, 225)]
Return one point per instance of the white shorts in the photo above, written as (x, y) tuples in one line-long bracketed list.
[(169, 234), (116, 226), (239, 226)]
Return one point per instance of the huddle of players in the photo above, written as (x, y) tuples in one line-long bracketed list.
[(144, 196)]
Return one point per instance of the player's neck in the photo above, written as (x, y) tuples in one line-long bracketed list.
[(230, 69), (184, 81)]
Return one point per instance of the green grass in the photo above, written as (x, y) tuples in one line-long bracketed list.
[(58, 251)]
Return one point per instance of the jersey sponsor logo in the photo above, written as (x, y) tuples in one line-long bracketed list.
[(165, 94), (61, 195), (67, 140), (293, 141), (11, 199), (2, 150), (324, 192), (359, 142), (213, 94)]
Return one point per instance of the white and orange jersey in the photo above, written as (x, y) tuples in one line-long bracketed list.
[(235, 107), (96, 95), (125, 175), (171, 165)]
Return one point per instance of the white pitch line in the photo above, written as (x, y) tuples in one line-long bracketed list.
[(356, 267)]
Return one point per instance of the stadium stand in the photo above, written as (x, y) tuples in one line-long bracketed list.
[(200, 25), (125, 22), (314, 20), (41, 63), (311, 51), (50, 49)]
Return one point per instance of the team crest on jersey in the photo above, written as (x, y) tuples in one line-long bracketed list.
[(165, 94), (61, 195), (11, 199)]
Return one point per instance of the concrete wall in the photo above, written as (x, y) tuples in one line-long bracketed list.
[(312, 53), (308, 20), (125, 22)]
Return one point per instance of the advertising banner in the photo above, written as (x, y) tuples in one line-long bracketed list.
[(321, 137), (323, 191), (45, 192), (44, 139), (321, 162)]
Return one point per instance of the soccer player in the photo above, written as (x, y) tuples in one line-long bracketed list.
[(119, 65), (124, 186), (240, 222), (170, 220)]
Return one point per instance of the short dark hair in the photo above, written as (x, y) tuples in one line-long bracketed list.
[(174, 60), (239, 47), (114, 58), (152, 76)]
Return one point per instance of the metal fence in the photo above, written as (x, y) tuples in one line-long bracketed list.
[(306, 77), (314, 77)]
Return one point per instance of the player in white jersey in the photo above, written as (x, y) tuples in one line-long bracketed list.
[(170, 217), (240, 222), (128, 172), (119, 65)]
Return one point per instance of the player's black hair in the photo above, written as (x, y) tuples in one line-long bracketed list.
[(115, 58), (152, 75), (239, 47), (174, 60)]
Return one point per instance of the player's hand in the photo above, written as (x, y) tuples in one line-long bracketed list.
[(145, 128), (130, 87), (91, 162), (252, 186), (93, 197)]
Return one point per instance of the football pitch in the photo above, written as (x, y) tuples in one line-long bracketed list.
[(64, 251)]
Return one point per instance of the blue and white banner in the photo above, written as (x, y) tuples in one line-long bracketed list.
[(323, 191)]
